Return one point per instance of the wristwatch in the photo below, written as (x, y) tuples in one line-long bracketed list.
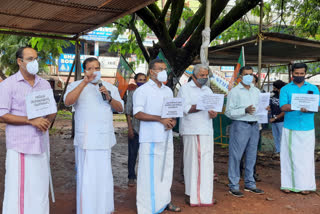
[(275, 117), (110, 99)]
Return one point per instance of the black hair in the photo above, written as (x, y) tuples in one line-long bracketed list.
[(138, 74), (299, 65), (19, 53), (153, 62), (278, 84), (245, 68), (255, 77), (90, 59)]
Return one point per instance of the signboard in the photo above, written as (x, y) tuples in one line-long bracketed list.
[(65, 61), (227, 68)]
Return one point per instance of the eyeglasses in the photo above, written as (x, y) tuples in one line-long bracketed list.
[(30, 59)]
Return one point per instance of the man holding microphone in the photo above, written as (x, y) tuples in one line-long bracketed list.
[(93, 101)]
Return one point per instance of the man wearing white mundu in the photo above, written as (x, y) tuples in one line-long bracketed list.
[(298, 137), (27, 138), (153, 192), (92, 100), (197, 132)]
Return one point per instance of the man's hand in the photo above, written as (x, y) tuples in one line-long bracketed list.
[(268, 108), (250, 109), (87, 79), (40, 123), (303, 110), (168, 123), (272, 120), (212, 114), (130, 133), (105, 91)]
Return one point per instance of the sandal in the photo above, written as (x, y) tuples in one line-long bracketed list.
[(305, 192), (286, 191), (173, 208)]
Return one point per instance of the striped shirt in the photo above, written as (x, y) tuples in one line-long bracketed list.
[(21, 138)]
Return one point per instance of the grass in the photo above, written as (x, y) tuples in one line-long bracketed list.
[(63, 114), (119, 118)]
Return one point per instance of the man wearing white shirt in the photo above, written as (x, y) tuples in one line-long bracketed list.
[(197, 132), (153, 195), (94, 137), (244, 132)]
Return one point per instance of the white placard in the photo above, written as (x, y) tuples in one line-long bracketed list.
[(172, 107), (307, 101), (211, 102), (264, 100), (40, 103), (262, 118)]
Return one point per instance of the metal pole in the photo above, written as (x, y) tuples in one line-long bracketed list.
[(260, 44), (289, 72), (207, 20), (64, 91), (268, 78)]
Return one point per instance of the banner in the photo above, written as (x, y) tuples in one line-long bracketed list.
[(123, 75), (241, 63)]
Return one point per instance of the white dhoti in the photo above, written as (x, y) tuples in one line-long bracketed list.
[(198, 169), (153, 195), (26, 184), (297, 160), (94, 181)]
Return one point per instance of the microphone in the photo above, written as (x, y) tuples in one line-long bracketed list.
[(102, 94)]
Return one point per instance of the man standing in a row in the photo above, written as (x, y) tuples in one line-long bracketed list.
[(298, 138), (133, 131), (153, 195), (93, 101), (244, 132), (27, 164), (197, 132)]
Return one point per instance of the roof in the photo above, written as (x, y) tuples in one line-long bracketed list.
[(64, 17), (276, 49)]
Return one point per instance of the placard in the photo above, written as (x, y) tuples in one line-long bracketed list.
[(172, 107), (40, 103)]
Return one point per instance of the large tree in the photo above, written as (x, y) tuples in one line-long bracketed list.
[(181, 46)]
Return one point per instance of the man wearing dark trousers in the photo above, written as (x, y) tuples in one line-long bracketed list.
[(133, 131)]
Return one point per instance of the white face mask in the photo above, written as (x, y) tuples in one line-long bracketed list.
[(33, 67), (97, 78), (162, 76)]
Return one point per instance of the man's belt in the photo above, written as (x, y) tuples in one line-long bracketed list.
[(249, 122)]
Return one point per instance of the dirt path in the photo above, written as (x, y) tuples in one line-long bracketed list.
[(273, 202)]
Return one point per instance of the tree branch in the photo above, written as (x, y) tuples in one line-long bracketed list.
[(149, 19), (2, 75), (138, 37), (196, 39), (165, 9), (189, 29), (155, 10), (176, 12)]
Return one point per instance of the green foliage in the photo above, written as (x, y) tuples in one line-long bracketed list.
[(48, 51)]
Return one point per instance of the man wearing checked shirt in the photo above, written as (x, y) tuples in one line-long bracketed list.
[(298, 138), (27, 178)]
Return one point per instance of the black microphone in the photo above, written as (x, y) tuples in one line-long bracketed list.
[(102, 94)]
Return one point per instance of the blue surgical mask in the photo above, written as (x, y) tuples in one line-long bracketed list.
[(140, 84), (247, 79)]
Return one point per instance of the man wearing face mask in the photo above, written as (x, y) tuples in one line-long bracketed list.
[(153, 195), (197, 132), (298, 137), (133, 131), (27, 178), (277, 116), (94, 137), (244, 132)]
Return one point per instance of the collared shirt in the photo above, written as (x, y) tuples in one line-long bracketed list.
[(129, 111), (13, 91), (239, 98), (297, 120), (198, 123), (93, 117), (149, 98)]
